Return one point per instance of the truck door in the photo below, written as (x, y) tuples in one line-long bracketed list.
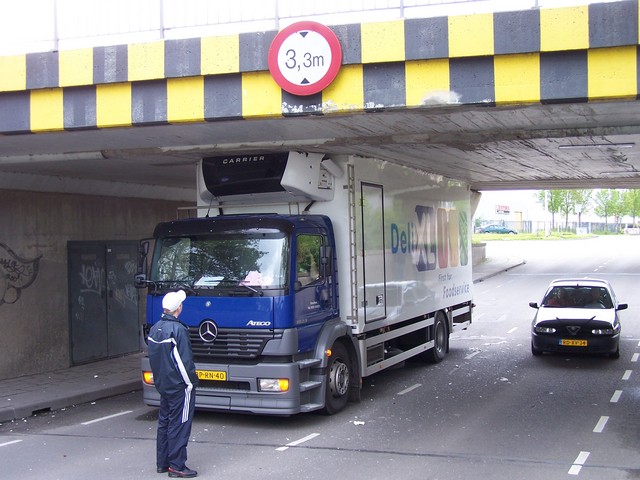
[(373, 247), (314, 300)]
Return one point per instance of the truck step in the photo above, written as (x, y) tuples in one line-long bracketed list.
[(308, 363), (308, 385), (308, 407)]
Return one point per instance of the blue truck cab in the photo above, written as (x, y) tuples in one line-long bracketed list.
[(261, 290)]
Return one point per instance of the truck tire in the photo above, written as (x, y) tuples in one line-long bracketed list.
[(440, 340), (338, 379)]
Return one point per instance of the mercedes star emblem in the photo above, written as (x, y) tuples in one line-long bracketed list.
[(208, 331)]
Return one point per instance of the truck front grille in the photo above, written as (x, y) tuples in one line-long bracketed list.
[(231, 343)]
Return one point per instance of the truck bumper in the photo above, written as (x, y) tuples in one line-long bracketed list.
[(240, 392)]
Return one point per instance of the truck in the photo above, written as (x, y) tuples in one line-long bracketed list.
[(306, 274)]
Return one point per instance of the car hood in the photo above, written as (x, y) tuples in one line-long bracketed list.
[(575, 315)]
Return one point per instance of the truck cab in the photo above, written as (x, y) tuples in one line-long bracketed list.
[(260, 290)]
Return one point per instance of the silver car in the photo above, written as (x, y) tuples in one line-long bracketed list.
[(577, 315)]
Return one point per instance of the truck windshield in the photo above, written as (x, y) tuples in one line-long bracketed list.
[(256, 259)]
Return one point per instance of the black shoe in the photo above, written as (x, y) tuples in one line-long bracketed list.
[(186, 473), (162, 469)]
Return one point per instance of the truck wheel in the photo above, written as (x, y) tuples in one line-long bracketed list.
[(338, 379), (440, 340)]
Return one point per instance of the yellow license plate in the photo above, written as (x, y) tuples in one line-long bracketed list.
[(573, 343), (211, 375)]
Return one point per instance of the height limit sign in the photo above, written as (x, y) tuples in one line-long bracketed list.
[(304, 58)]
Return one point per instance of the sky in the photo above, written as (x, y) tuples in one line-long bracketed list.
[(45, 25)]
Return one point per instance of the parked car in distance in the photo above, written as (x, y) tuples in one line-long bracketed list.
[(496, 229), (577, 315)]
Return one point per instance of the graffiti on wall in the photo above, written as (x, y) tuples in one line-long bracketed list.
[(16, 274)]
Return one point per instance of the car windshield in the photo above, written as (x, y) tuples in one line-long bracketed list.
[(578, 297), (257, 259)]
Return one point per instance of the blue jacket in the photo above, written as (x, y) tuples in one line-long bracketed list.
[(174, 371)]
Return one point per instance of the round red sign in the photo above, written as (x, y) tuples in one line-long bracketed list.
[(304, 58)]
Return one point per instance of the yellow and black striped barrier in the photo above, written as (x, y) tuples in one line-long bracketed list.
[(573, 54)]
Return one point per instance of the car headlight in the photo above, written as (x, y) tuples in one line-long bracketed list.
[(606, 331), (544, 330)]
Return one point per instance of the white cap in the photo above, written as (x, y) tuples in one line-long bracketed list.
[(172, 300)]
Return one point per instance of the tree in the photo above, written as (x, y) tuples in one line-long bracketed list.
[(632, 203), (602, 201), (552, 199), (617, 206), (566, 205), (609, 203), (581, 202)]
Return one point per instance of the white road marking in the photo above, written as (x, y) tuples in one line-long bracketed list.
[(108, 417), (407, 390), (578, 462), (512, 330), (627, 374), (600, 425), (616, 396), (635, 357), (9, 443), (297, 442), (471, 355)]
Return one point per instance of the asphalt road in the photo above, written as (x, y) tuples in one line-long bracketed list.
[(489, 411)]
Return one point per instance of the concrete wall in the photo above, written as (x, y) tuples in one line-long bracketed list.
[(34, 315)]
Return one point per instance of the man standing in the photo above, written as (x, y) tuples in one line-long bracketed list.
[(174, 375)]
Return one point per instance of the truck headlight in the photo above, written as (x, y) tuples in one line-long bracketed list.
[(273, 384)]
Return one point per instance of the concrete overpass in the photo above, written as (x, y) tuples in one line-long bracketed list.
[(97, 145), (513, 100)]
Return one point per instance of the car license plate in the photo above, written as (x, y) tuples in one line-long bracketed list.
[(211, 375), (573, 343)]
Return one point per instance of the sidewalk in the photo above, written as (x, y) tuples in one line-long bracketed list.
[(24, 396)]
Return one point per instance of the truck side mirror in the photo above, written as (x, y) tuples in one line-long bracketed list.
[(140, 279), (325, 260), (143, 251)]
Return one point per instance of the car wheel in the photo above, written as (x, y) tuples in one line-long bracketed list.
[(535, 351)]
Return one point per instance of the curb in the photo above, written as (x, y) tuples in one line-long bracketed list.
[(11, 413), (499, 271)]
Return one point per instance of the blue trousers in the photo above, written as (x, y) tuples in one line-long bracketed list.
[(174, 429)]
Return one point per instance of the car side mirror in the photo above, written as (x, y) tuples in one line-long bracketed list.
[(533, 304), (622, 306)]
